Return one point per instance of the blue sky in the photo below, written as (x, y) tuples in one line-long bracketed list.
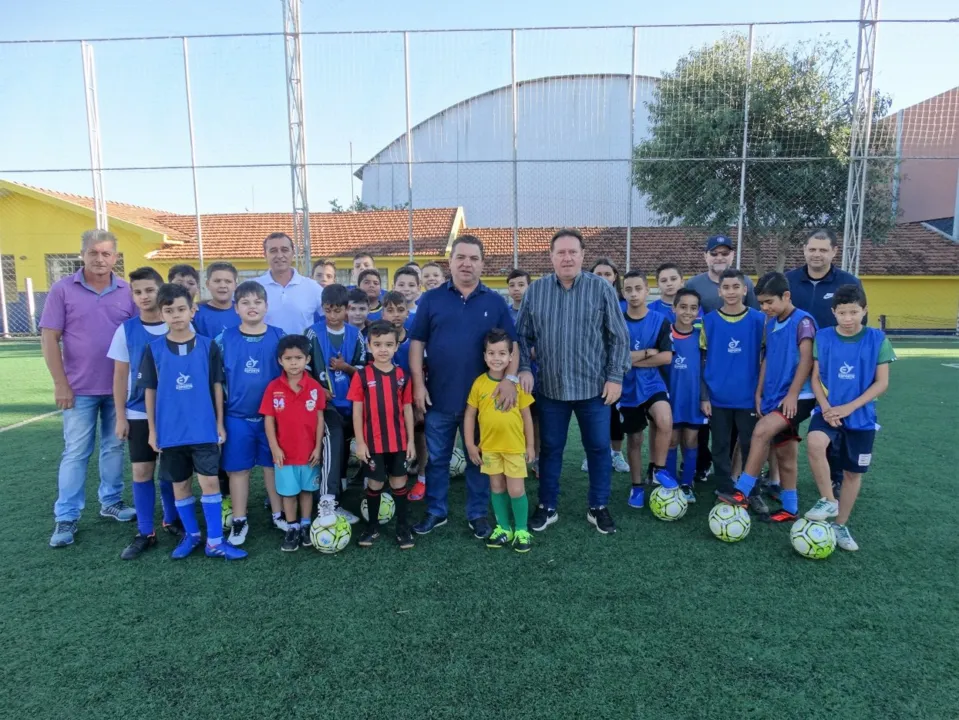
[(354, 83)]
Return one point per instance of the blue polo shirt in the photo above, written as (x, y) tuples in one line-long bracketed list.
[(815, 296), (453, 328)]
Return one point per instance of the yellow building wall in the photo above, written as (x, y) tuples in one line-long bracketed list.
[(927, 302)]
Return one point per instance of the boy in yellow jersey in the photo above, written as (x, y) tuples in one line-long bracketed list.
[(506, 444)]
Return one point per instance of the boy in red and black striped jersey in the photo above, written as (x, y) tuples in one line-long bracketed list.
[(383, 424)]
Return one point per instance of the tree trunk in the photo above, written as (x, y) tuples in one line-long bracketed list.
[(782, 249)]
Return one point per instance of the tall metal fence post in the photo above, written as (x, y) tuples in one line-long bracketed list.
[(742, 170), (512, 63), (93, 134), (4, 320), (31, 306), (632, 145), (409, 141), (296, 115), (189, 117)]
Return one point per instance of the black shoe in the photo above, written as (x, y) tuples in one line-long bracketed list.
[(369, 536), (305, 539), (481, 528), (542, 518), (404, 538), (174, 528), (601, 518), (428, 523), (140, 544), (758, 507), (291, 539)]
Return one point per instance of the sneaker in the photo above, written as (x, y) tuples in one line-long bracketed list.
[(733, 497), (238, 533), (174, 528), (773, 491), (481, 528), (140, 544), (585, 466), (429, 523), (291, 539), (844, 538), (404, 538), (369, 536), (350, 517), (782, 516), (499, 538), (758, 507), (522, 541), (619, 463), (187, 545), (280, 523), (225, 550), (63, 533), (305, 539), (637, 496), (665, 478), (601, 518), (688, 493), (418, 491), (119, 511), (542, 518), (823, 510), (326, 506)]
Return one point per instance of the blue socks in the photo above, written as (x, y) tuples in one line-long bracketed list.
[(745, 483), (690, 455), (671, 461), (168, 501), (144, 498), (213, 516), (790, 501), (187, 511)]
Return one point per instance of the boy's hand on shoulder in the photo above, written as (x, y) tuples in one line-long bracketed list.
[(505, 395), (362, 451), (476, 457), (278, 456), (706, 407), (152, 441), (316, 455), (122, 430)]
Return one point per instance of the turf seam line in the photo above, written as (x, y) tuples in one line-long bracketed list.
[(30, 420)]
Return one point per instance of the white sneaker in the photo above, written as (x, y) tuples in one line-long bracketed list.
[(326, 509), (238, 532), (844, 538), (350, 517), (619, 463), (280, 523), (585, 466), (823, 510)]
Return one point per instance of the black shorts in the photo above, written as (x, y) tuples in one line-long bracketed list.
[(804, 409), (616, 431), (854, 447), (178, 463), (636, 419), (383, 466), (138, 441)]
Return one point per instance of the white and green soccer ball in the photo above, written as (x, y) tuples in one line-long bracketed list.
[(813, 539), (227, 512), (729, 523), (329, 537), (387, 508), (667, 504), (457, 462)]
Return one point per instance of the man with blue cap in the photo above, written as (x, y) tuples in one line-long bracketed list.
[(719, 257)]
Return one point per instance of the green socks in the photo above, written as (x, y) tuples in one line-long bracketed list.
[(501, 509), (520, 511)]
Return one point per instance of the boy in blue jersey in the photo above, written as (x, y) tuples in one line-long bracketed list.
[(685, 379), (218, 314), (249, 364), (369, 282), (784, 397), (182, 374), (669, 280), (357, 308), (645, 396), (432, 276), (406, 281), (850, 370), (187, 276), (126, 351), (731, 342), (517, 283)]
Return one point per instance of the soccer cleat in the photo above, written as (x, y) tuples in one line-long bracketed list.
[(522, 541), (688, 493), (174, 528), (305, 539), (601, 518), (823, 510), (499, 538), (429, 523), (781, 516), (291, 539), (404, 538), (585, 466), (344, 513), (637, 496), (417, 492), (619, 463), (280, 523), (772, 490), (844, 538), (481, 528), (758, 507), (63, 533), (119, 511), (542, 518), (140, 544), (369, 536), (187, 545), (238, 532), (225, 550), (665, 478), (733, 497)]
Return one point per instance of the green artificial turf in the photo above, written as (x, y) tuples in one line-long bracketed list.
[(657, 621)]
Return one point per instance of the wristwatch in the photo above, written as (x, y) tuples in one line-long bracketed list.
[(513, 379)]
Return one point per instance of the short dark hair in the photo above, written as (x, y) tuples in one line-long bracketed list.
[(497, 335), (413, 263), (468, 240), (684, 291), (220, 266), (772, 283), (608, 263), (366, 273), (362, 255), (183, 269), (517, 273), (436, 265), (394, 298), (566, 232), (277, 236), (249, 287), (293, 342), (668, 266), (336, 295), (358, 297), (324, 263), (406, 270), (732, 274), (637, 274), (169, 292), (146, 273), (380, 327), (823, 234), (848, 295)]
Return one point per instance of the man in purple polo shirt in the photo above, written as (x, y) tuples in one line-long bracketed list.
[(81, 313)]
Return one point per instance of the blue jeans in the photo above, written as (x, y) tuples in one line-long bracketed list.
[(79, 437), (593, 418), (440, 433)]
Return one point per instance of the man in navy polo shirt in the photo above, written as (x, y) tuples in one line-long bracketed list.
[(451, 322)]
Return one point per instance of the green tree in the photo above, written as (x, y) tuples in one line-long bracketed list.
[(359, 206), (800, 117)]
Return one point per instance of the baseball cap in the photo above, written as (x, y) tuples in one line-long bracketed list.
[(716, 241)]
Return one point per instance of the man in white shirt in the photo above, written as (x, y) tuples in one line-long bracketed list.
[(292, 300)]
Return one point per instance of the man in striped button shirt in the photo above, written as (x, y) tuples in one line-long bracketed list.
[(574, 321)]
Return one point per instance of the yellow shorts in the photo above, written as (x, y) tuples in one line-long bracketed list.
[(509, 464)]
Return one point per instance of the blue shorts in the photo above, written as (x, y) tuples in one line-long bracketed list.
[(246, 445), (854, 446), (291, 480)]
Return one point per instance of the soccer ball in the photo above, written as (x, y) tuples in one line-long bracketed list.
[(352, 461), (813, 539), (387, 508), (730, 523), (667, 504), (227, 511), (457, 462), (329, 539)]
